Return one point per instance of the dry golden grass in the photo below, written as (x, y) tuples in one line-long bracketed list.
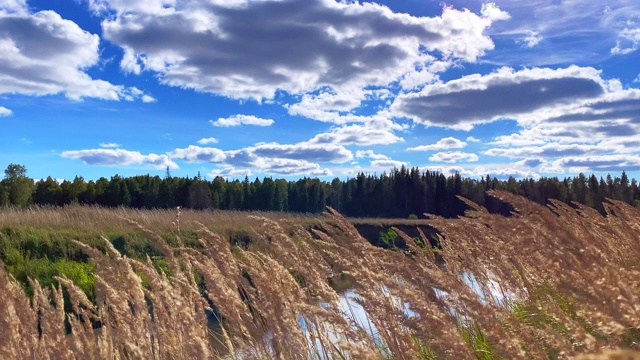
[(550, 283), (92, 219)]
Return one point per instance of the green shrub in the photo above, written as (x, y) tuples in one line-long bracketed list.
[(388, 237), (44, 270)]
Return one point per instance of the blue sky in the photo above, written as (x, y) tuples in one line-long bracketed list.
[(292, 88)]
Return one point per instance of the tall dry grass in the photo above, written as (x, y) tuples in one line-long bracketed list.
[(550, 282)]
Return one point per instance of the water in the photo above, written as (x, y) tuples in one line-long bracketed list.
[(350, 308)]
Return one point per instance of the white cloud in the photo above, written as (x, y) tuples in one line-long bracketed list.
[(119, 157), (229, 172), (531, 39), (303, 151), (110, 145), (526, 137), (471, 139), (503, 173), (328, 106), (43, 54), (450, 170), (157, 7), (442, 144), (552, 169), (148, 99), (531, 163), (600, 163), (452, 157), (13, 7), (388, 164), (551, 150), (493, 12), (361, 154), (244, 158), (340, 45), (606, 129), (197, 154), (268, 158), (238, 120), (375, 131), (505, 93), (5, 112), (290, 167), (628, 41), (207, 141), (418, 78)]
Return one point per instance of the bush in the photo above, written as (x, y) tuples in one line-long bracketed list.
[(389, 237), (44, 269)]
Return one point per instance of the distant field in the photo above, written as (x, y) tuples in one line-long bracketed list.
[(388, 222), (80, 282)]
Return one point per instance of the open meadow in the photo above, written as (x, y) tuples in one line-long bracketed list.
[(535, 282)]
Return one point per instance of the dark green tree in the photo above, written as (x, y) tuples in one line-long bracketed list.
[(18, 186), (47, 192)]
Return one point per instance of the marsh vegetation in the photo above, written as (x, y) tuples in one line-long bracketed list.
[(542, 283)]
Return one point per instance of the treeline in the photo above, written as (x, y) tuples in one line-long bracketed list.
[(401, 193)]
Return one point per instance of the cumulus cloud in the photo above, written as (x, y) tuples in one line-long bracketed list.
[(450, 170), (504, 173), (158, 7), (551, 169), (238, 120), (292, 45), (5, 112), (15, 7), (452, 157), (531, 163), (628, 41), (42, 54), (505, 93), (531, 39), (229, 172), (271, 158), (424, 75), (245, 158), (482, 171), (362, 154), (472, 139), (197, 154), (552, 150), (290, 167), (610, 118), (328, 106), (207, 141), (607, 127), (148, 99), (375, 131), (493, 12), (119, 157), (442, 144), (303, 151), (600, 163), (388, 164), (523, 138)]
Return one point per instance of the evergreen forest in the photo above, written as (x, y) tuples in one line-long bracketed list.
[(401, 193)]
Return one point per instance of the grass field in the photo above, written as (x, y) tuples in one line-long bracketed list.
[(542, 283)]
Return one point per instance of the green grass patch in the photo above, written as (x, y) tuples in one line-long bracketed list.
[(474, 336)]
